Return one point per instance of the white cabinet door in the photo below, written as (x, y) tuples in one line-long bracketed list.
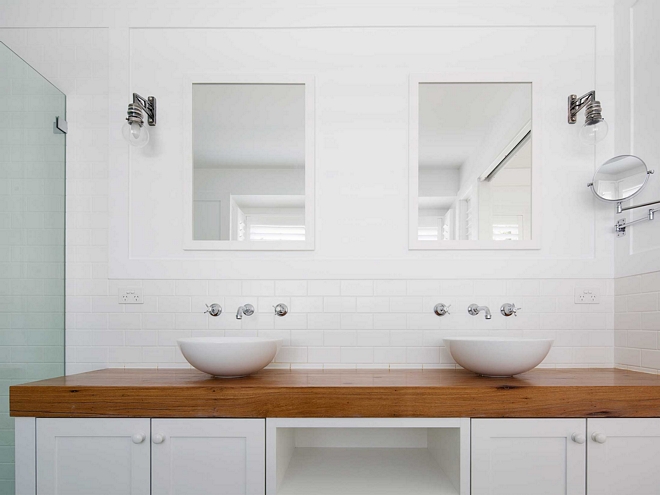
[(208, 456), (528, 456), (624, 456), (93, 456)]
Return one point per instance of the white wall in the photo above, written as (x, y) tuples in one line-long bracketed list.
[(637, 74), (359, 299), (637, 255)]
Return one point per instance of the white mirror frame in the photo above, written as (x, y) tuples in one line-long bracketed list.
[(197, 245), (413, 165)]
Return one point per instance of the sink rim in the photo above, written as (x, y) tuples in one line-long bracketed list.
[(497, 339), (227, 340)]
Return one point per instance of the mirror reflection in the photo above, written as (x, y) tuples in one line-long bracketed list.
[(249, 162), (620, 178), (474, 161)]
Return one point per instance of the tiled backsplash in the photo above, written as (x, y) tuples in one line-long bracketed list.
[(333, 323), (637, 322)]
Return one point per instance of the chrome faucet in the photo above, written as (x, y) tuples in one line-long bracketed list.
[(247, 310), (474, 310)]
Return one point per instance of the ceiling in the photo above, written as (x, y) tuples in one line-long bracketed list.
[(455, 118), (249, 125)]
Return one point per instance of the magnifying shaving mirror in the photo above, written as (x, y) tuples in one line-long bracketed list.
[(620, 178)]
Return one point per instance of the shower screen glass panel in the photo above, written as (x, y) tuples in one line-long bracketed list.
[(32, 172)]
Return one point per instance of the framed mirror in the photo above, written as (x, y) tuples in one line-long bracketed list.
[(471, 168), (249, 177), (620, 178)]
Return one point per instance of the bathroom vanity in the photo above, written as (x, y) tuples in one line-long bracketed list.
[(435, 432)]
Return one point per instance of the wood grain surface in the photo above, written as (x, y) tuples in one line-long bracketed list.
[(170, 393)]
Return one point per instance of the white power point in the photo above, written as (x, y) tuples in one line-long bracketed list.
[(130, 295), (587, 296)]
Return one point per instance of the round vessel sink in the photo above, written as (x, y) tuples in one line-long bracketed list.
[(229, 357), (498, 356)]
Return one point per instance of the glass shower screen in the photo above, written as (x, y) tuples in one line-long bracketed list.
[(32, 200)]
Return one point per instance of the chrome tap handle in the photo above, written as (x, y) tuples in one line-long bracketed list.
[(214, 309), (441, 309), (509, 309), (281, 309)]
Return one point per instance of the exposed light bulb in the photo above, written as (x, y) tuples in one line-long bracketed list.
[(135, 134), (594, 132)]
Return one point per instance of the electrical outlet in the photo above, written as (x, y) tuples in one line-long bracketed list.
[(130, 295), (587, 296)]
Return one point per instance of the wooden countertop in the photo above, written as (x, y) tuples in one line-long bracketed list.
[(179, 393)]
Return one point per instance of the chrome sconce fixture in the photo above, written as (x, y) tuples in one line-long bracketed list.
[(133, 130), (595, 128)]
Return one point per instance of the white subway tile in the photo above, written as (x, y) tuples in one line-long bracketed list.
[(390, 288), (292, 321), (290, 287), (523, 287), (357, 288), (340, 338), (373, 338), (224, 287), (307, 304), (390, 321), (650, 282), (423, 287), (357, 355), (123, 321), (357, 321), (323, 288), (372, 304), (157, 321), (643, 302), (339, 304), (422, 355), (158, 287), (631, 357), (324, 354), (191, 287), (323, 321), (405, 304), (258, 288), (390, 355), (174, 304)]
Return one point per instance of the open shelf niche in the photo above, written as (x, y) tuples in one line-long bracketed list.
[(365, 457)]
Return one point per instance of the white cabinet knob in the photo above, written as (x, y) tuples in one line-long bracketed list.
[(138, 438), (578, 438), (158, 438), (598, 437)]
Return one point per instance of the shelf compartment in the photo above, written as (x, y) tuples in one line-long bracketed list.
[(367, 456)]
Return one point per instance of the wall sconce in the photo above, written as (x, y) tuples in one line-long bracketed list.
[(595, 128), (133, 130)]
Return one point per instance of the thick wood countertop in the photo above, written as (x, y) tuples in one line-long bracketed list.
[(170, 393)]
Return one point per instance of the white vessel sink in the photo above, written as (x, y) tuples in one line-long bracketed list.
[(498, 356), (229, 357)]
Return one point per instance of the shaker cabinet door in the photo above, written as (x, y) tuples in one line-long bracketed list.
[(208, 456), (93, 456), (528, 456), (624, 456)]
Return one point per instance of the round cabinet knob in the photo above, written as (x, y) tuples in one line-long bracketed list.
[(578, 438), (598, 437), (138, 438), (158, 438)]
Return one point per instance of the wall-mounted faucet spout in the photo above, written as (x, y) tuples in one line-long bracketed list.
[(247, 310), (474, 310)]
